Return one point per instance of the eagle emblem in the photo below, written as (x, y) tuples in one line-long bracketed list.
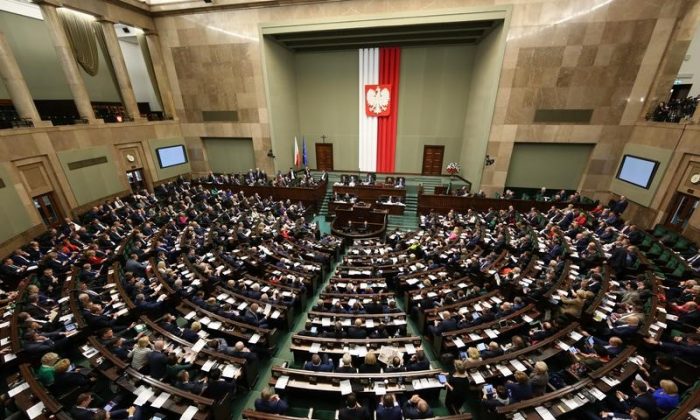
[(377, 100)]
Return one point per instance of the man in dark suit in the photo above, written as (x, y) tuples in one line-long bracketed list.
[(388, 409), (269, 402), (82, 410), (134, 266), (353, 410), (157, 361), (218, 388), (418, 362), (318, 364), (357, 331), (448, 323), (642, 398), (620, 205)]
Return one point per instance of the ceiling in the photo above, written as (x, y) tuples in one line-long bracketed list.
[(469, 32)]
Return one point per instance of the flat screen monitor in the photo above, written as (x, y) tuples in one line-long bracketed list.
[(171, 156), (637, 171)]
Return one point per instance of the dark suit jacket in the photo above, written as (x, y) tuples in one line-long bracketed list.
[(389, 413), (357, 413), (157, 364)]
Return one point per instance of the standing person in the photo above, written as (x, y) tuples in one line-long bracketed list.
[(457, 388)]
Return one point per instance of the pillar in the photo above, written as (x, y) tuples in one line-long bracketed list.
[(122, 75), (16, 85), (166, 96)]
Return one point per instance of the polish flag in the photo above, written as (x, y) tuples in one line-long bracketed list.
[(379, 100)]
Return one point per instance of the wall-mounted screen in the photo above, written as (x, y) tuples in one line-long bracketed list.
[(637, 171), (171, 156)]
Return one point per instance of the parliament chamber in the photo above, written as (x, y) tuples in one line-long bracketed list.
[(349, 209)]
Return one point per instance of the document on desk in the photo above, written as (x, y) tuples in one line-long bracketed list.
[(190, 315), (600, 395), (544, 413), (229, 371), (254, 339), (518, 365), (315, 348), (35, 410), (458, 342), (199, 345), (189, 413), (275, 315), (325, 322), (5, 341), (477, 378), (143, 397), (345, 387), (379, 388), (282, 382), (206, 367), (369, 323), (504, 370), (10, 356), (410, 348), (695, 413), (610, 381), (16, 390), (575, 335), (160, 400), (474, 337), (491, 333)]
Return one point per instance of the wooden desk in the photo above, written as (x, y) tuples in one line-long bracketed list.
[(444, 203), (310, 196), (369, 193)]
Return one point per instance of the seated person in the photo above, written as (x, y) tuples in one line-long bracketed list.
[(520, 389), (82, 410), (418, 362), (346, 364), (388, 409), (217, 387), (666, 397), (317, 364), (269, 402), (184, 383), (500, 398), (65, 379), (395, 366), (353, 410), (370, 365), (416, 408)]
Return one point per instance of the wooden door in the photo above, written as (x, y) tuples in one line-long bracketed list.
[(50, 213), (324, 156), (681, 210), (432, 160)]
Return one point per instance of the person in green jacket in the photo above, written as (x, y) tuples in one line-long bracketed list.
[(45, 373)]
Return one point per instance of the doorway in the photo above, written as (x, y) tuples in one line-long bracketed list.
[(136, 180), (432, 160), (48, 209), (680, 91), (324, 156), (681, 210)]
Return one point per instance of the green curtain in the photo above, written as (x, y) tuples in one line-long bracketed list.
[(80, 31)]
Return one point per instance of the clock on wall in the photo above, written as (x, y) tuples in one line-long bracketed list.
[(695, 179), (130, 158)]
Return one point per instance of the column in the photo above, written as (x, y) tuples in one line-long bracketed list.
[(166, 96), (16, 85), (122, 75), (67, 61)]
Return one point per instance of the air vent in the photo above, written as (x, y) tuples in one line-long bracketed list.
[(229, 116), (78, 164), (572, 116)]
